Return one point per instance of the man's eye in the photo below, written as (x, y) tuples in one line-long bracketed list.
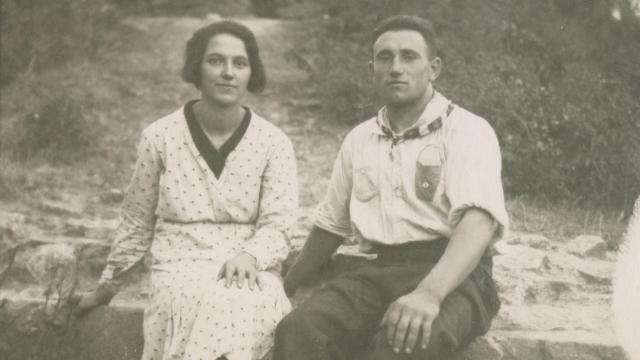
[(383, 58), (410, 57)]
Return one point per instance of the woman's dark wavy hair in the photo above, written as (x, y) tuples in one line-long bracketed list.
[(196, 46), (409, 22)]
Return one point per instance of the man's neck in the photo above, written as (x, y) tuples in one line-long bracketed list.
[(403, 116)]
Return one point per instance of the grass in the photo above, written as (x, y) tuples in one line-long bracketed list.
[(565, 221)]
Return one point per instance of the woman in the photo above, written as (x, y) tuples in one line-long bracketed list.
[(213, 195)]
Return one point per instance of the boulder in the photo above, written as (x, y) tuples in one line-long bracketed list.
[(588, 246)]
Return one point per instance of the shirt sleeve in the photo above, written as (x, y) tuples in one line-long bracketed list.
[(135, 231), (332, 214), (473, 175), (277, 209)]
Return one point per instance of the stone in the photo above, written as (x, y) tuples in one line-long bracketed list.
[(113, 196), (62, 207), (54, 265), (596, 272), (12, 225), (90, 228), (588, 246), (482, 348), (535, 241)]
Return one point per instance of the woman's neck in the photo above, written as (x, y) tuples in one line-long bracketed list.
[(216, 119)]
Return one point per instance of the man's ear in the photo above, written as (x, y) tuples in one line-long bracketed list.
[(436, 68)]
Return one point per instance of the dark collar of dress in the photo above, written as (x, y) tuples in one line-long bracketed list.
[(215, 158)]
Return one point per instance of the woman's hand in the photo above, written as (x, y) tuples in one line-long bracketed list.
[(89, 301), (238, 268)]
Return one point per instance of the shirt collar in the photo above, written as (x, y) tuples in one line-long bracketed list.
[(429, 121)]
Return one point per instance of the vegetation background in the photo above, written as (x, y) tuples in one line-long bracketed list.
[(559, 80)]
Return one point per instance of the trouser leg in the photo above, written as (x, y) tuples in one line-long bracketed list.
[(465, 314), (332, 324)]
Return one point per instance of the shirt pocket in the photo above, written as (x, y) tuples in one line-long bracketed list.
[(427, 180), (364, 188)]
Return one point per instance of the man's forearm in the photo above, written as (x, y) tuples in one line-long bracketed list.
[(317, 250), (469, 240)]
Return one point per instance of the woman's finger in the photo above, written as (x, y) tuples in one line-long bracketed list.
[(251, 275), (228, 274), (259, 280), (242, 274)]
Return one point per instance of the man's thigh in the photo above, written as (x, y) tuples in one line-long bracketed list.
[(347, 309), (453, 328)]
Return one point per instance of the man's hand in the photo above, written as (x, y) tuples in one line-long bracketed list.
[(238, 268), (407, 317)]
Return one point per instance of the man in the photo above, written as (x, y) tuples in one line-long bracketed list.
[(419, 184)]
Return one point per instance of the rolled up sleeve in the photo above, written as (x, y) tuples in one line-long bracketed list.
[(332, 214), (473, 175)]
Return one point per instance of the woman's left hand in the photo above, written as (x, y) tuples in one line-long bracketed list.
[(240, 267)]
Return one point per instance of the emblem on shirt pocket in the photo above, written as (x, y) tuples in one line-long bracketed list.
[(364, 188), (428, 169)]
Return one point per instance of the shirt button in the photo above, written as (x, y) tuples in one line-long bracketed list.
[(425, 184)]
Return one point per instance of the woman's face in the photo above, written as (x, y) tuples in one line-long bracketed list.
[(225, 70)]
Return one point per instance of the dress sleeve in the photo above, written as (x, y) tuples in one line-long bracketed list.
[(473, 175), (277, 209), (135, 231)]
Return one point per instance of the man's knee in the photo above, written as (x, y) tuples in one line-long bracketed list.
[(291, 324)]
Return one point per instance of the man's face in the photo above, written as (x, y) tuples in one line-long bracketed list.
[(402, 70)]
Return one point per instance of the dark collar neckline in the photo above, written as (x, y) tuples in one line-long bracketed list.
[(215, 158)]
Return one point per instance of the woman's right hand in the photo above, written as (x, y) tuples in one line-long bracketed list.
[(91, 300)]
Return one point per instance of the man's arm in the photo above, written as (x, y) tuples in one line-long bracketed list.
[(411, 313), (317, 250)]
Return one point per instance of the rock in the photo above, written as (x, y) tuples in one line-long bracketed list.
[(54, 266), (482, 348), (114, 195), (11, 225), (90, 228), (588, 246), (596, 272), (535, 241), (62, 207)]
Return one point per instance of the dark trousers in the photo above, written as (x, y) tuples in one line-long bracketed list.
[(341, 320)]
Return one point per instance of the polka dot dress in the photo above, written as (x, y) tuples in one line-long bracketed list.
[(192, 221)]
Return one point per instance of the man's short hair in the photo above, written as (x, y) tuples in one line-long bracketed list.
[(197, 45), (409, 22)]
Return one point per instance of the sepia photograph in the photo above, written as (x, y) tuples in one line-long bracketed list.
[(320, 180)]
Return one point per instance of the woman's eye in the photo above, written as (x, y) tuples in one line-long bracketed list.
[(241, 63), (214, 61)]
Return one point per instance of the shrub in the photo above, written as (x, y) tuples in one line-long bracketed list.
[(564, 105), (39, 33), (56, 130)]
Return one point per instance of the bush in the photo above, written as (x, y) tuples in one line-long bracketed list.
[(57, 130), (564, 105), (39, 33)]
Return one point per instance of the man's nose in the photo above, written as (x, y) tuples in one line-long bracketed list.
[(396, 67)]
